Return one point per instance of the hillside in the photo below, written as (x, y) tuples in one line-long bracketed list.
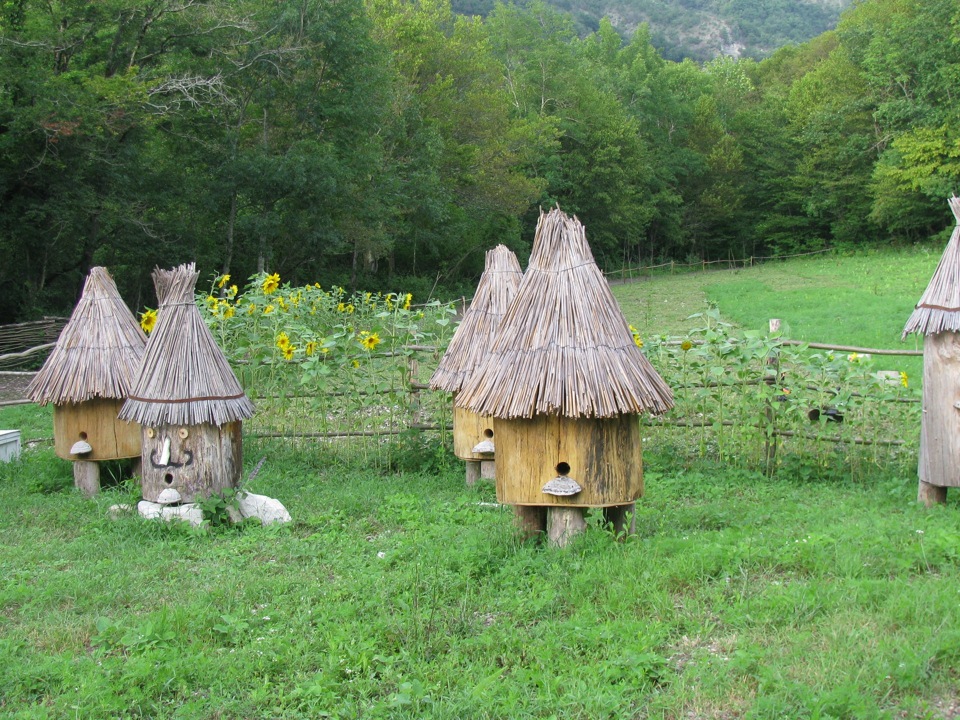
[(701, 29)]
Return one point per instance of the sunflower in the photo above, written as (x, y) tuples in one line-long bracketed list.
[(271, 283), (224, 279), (288, 352), (283, 341), (311, 347), (369, 340), (148, 318), (903, 378), (686, 345), (407, 299), (268, 309)]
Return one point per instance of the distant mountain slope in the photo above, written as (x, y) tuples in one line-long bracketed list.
[(701, 29)]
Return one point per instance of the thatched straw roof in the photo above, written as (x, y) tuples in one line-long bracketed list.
[(99, 350), (939, 307), (185, 378), (472, 340), (564, 347)]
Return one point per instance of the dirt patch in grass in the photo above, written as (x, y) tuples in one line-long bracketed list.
[(13, 386)]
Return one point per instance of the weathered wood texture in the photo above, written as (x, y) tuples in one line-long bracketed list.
[(196, 460), (564, 523), (939, 462), (531, 520), (604, 456), (488, 469), (96, 422), (86, 477), (931, 495), (469, 429), (473, 471)]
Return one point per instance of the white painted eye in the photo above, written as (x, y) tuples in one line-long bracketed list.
[(183, 433)]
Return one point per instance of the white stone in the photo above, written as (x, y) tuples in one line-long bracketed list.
[(168, 496), (266, 509), (149, 510), (189, 512)]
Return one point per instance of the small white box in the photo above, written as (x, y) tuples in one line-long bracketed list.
[(9, 445)]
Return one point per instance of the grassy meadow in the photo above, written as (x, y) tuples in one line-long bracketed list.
[(398, 592)]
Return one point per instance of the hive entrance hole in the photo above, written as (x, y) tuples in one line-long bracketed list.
[(488, 433), (562, 469), (83, 436), (168, 478)]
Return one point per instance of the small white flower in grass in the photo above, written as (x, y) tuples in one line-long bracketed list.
[(919, 532)]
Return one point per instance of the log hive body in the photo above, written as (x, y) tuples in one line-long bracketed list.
[(603, 455), (196, 460), (96, 422), (470, 429), (939, 463)]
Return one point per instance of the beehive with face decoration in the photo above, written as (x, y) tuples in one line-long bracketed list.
[(188, 401)]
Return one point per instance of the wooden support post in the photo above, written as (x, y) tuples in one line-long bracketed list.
[(473, 471), (931, 495), (531, 520), (136, 467), (86, 477), (488, 469), (413, 370), (564, 523), (622, 518), (769, 420)]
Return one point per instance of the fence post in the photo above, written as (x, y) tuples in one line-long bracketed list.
[(413, 375), (770, 416)]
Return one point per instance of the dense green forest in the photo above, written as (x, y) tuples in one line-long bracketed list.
[(388, 143), (699, 29)]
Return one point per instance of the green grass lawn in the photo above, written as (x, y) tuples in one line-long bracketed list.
[(862, 300), (408, 595)]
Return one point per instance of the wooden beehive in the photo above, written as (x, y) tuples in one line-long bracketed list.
[(187, 400), (195, 460), (602, 455), (473, 439), (565, 383), (469, 431), (937, 317), (95, 422), (87, 377)]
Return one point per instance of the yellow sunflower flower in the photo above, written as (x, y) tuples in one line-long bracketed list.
[(271, 283), (903, 378), (148, 318), (224, 279), (311, 347), (407, 300), (288, 352), (686, 345), (369, 340), (283, 341), (268, 309)]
